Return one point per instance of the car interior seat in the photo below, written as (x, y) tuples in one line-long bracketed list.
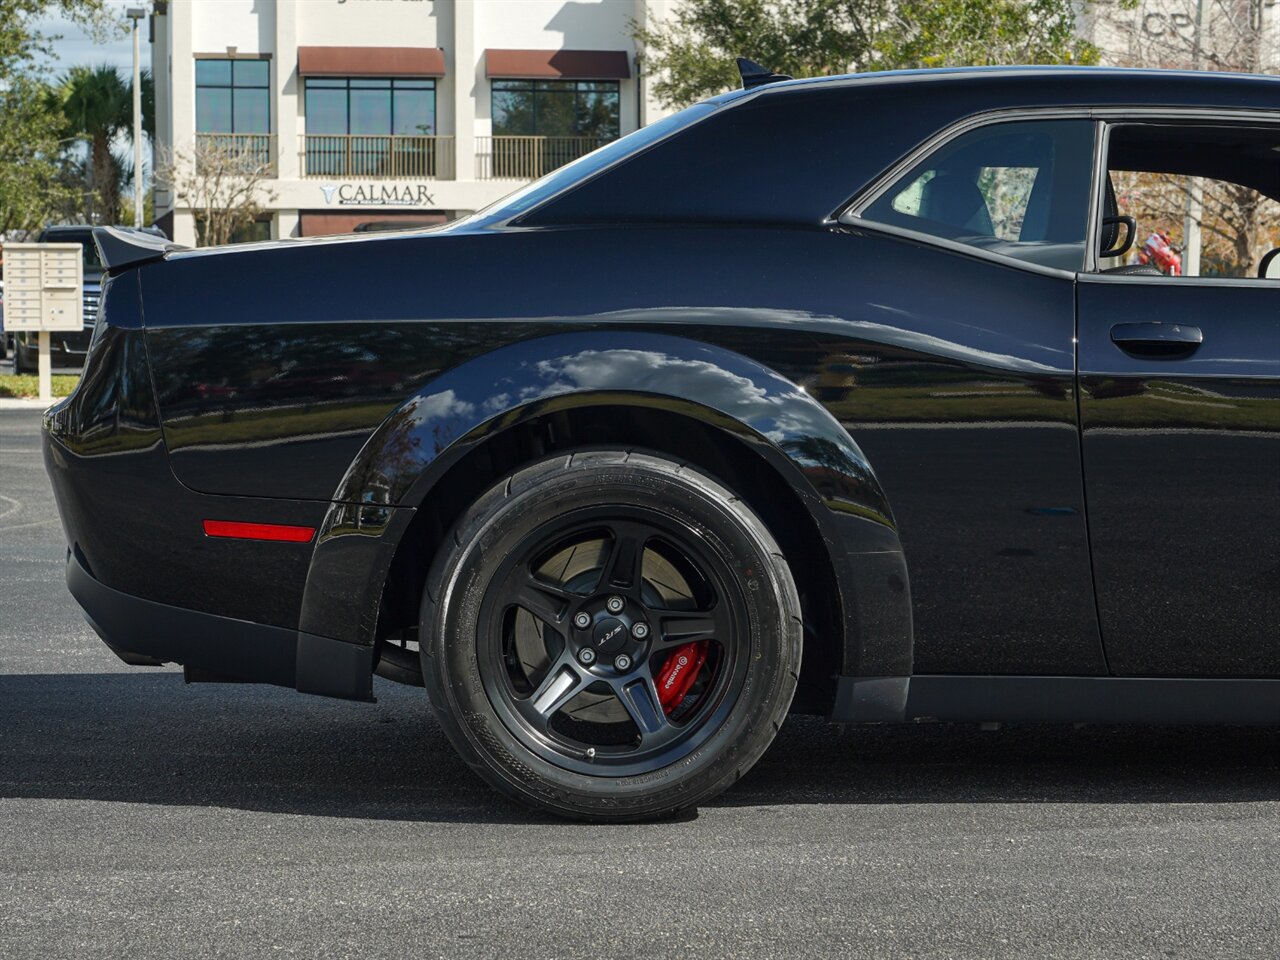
[(957, 202)]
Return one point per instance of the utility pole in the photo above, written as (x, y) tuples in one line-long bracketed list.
[(1195, 191), (136, 14)]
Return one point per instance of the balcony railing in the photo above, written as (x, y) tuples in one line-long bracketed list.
[(396, 157), (229, 152), (380, 157), (527, 158)]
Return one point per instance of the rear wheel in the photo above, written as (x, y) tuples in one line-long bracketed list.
[(610, 636)]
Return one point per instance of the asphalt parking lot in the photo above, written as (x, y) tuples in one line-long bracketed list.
[(140, 817)]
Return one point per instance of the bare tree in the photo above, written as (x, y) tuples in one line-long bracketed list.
[(1237, 224), (222, 180)]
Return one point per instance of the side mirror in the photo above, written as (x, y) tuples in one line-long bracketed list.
[(1269, 267), (1118, 249)]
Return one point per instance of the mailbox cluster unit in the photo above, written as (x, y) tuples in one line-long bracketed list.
[(44, 285)]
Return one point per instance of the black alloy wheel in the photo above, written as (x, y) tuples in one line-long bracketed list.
[(610, 636)]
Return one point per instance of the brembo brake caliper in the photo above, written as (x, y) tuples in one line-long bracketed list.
[(678, 673)]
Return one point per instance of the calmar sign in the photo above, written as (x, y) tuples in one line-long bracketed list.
[(377, 194)]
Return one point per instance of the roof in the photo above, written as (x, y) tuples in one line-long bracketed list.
[(796, 151), (1102, 84)]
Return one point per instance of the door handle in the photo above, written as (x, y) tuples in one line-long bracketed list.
[(1153, 338)]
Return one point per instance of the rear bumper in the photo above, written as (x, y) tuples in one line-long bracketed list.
[(143, 631), (139, 630)]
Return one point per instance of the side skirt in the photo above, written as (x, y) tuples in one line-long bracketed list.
[(1010, 699)]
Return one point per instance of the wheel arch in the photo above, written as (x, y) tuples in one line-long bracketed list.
[(757, 432)]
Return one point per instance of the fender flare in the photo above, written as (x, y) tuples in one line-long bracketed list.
[(421, 440)]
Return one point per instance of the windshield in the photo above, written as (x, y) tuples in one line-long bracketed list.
[(592, 163)]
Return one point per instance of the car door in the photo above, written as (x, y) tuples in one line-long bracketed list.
[(1180, 410)]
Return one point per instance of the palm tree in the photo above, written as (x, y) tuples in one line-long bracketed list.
[(98, 106)]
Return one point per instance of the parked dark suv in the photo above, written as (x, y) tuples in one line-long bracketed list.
[(68, 349)]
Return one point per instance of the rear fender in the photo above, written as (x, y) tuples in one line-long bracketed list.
[(463, 407), (417, 443)]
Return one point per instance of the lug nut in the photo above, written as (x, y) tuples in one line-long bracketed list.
[(622, 662), (587, 655), (582, 620), (614, 604), (640, 631)]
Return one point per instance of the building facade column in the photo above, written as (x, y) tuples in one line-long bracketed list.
[(182, 111), (286, 91), (286, 224), (463, 64)]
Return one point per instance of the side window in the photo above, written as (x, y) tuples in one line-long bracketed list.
[(1019, 188), (1183, 200)]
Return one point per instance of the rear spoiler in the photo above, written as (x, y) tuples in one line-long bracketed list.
[(120, 248)]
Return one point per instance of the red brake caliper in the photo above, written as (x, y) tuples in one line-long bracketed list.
[(678, 673)]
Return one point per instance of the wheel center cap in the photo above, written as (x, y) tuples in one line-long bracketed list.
[(609, 635)]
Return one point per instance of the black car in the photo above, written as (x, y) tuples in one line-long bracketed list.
[(841, 396)]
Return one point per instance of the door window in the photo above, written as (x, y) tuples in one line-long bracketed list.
[(1183, 200), (1020, 189)]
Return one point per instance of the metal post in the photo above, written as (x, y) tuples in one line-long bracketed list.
[(1195, 189), (136, 14), (45, 368)]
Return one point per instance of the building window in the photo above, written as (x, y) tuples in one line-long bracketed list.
[(233, 96), (252, 232), (371, 127), (368, 106), (539, 125), (556, 108)]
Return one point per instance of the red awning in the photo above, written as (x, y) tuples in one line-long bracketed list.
[(316, 224), (370, 62), (558, 64)]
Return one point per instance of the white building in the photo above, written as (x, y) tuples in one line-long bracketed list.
[(379, 110), (1236, 35)]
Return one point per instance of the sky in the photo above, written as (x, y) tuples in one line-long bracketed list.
[(75, 48)]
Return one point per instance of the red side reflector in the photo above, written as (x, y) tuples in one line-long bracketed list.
[(258, 531)]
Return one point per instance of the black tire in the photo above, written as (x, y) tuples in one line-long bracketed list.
[(29, 355), (739, 602)]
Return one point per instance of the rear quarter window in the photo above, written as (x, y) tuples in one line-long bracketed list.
[(1020, 189)]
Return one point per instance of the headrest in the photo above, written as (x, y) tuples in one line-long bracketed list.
[(957, 202)]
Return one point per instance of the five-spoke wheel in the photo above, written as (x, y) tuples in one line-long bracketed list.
[(608, 643)]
